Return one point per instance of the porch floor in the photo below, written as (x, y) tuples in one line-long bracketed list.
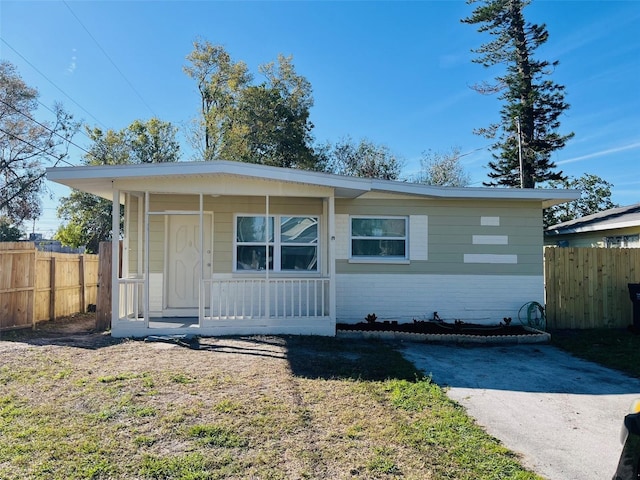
[(173, 322)]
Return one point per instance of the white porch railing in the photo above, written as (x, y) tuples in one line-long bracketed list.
[(234, 299), (131, 299), (228, 299)]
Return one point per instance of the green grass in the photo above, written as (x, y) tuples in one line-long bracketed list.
[(268, 408), (615, 348)]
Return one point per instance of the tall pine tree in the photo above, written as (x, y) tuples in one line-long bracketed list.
[(532, 103)]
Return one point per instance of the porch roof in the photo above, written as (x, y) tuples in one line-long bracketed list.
[(99, 180)]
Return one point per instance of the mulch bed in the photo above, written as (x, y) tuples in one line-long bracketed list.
[(437, 328)]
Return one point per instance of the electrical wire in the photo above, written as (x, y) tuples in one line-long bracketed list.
[(46, 128), (51, 82), (110, 59), (38, 149)]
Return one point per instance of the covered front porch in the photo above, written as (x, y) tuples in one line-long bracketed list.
[(218, 263)]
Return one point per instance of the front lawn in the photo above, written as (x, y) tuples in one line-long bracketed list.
[(612, 347), (258, 407)]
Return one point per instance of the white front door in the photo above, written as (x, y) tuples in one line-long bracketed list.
[(183, 259)]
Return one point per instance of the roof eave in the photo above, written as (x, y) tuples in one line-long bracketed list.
[(100, 177)]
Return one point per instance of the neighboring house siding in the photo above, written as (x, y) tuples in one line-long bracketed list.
[(590, 239)]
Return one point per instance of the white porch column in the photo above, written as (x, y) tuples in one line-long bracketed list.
[(115, 255), (201, 295), (127, 234), (332, 260), (146, 261), (140, 255), (267, 289)]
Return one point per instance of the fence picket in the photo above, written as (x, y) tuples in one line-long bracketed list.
[(37, 286), (587, 287)]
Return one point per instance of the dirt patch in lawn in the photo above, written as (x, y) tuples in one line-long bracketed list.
[(74, 330)]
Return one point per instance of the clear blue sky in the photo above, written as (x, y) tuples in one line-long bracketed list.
[(397, 73)]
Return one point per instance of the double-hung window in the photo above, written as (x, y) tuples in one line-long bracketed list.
[(379, 238), (283, 243)]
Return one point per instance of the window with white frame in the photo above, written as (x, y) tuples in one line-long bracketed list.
[(379, 238), (284, 243)]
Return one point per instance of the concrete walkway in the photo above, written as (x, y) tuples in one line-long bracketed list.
[(562, 414)]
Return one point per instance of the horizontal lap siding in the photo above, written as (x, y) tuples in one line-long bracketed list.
[(452, 226)]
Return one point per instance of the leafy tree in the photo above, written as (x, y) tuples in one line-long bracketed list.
[(443, 169), (270, 125), (267, 123), (27, 145), (220, 81), (88, 217), (88, 220), (595, 196), (153, 141), (365, 159), (532, 103), (8, 231)]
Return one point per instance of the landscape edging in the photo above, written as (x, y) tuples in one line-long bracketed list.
[(538, 337)]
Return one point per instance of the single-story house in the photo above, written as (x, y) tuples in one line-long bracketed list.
[(613, 228), (221, 247)]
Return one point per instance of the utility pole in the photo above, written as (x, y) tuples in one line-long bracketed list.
[(520, 153)]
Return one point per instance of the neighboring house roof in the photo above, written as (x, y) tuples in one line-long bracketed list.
[(621, 217), (98, 180)]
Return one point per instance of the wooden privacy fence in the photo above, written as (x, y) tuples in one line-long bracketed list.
[(36, 286), (588, 287)]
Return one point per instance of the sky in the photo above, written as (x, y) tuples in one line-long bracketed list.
[(396, 73)]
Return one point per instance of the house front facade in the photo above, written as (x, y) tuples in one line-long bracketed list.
[(215, 248)]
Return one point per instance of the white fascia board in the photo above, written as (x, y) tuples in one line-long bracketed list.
[(97, 179), (548, 196)]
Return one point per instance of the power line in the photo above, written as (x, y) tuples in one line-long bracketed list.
[(110, 59), (47, 128), (40, 150), (51, 82), (81, 130)]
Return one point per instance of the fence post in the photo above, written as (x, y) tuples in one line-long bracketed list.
[(103, 301), (32, 274), (52, 282), (83, 306)]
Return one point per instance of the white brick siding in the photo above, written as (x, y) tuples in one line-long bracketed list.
[(472, 298)]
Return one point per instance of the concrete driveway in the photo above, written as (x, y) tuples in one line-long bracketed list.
[(562, 414)]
